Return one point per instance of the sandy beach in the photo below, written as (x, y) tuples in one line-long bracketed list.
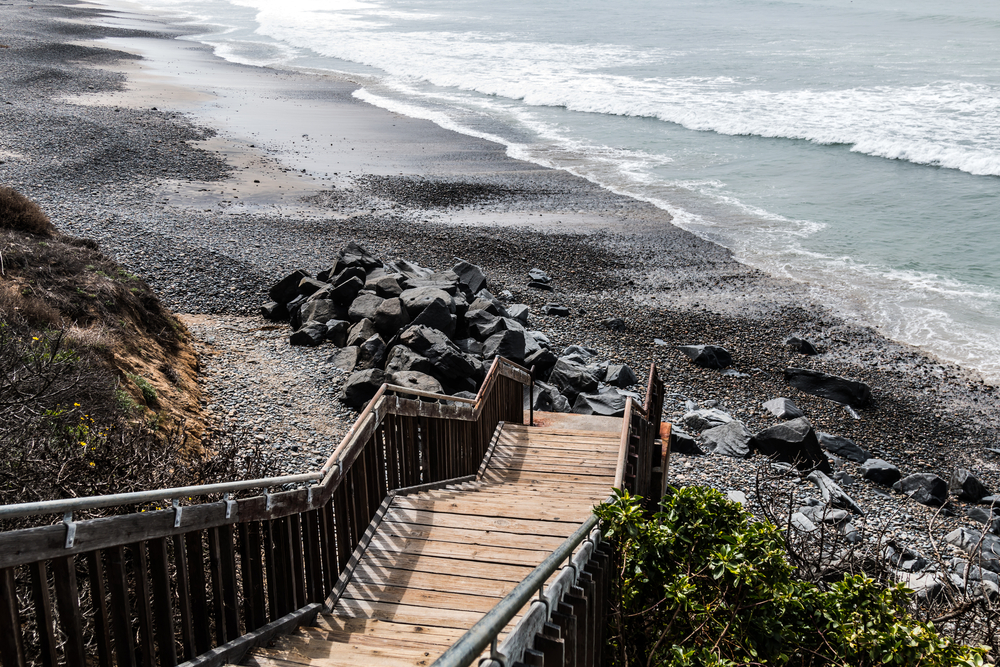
[(211, 180)]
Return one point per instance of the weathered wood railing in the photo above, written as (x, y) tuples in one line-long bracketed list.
[(202, 582), (640, 455)]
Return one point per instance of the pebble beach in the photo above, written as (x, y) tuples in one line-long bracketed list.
[(211, 180)]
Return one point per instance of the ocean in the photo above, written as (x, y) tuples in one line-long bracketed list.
[(852, 146)]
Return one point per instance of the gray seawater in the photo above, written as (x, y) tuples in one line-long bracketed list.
[(851, 146)]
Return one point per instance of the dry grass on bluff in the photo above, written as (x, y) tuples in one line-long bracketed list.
[(98, 386)]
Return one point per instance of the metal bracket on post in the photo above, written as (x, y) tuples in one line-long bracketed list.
[(548, 605), (230, 504), (70, 529), (309, 494), (178, 510), (267, 500)]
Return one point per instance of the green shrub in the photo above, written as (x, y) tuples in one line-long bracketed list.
[(704, 583), (148, 391)]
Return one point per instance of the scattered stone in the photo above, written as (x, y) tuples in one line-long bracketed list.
[(736, 496), (783, 408), (555, 310), (924, 487), (707, 356), (732, 439), (843, 447), (832, 494), (345, 359), (615, 324), (984, 547), (539, 280), (699, 420), (988, 517), (361, 387), (904, 558), (880, 472), (802, 523), (833, 387), (801, 345), (620, 375), (792, 442), (967, 486)]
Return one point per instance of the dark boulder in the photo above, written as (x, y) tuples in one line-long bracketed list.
[(390, 317), (506, 344), (579, 353), (706, 418), (620, 375), (880, 472), (483, 330), (416, 299), (615, 324), (320, 310), (450, 363), (470, 276), (328, 273), (360, 332), (520, 312), (924, 487), (732, 439), (388, 287), (539, 276), (546, 398), (344, 359), (364, 307), (470, 346), (437, 315), (287, 288), (967, 486), (683, 442), (402, 358), (844, 448), (793, 442), (833, 387), (707, 356), (274, 311), (832, 494), (309, 286), (480, 323), (607, 403), (354, 255), (571, 379), (782, 408), (801, 345), (311, 334), (542, 360), (336, 332), (989, 517), (555, 310), (416, 380), (293, 307), (371, 353), (347, 290)]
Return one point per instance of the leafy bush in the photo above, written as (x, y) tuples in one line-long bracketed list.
[(148, 391), (703, 583)]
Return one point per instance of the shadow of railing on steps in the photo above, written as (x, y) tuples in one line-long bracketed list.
[(203, 580)]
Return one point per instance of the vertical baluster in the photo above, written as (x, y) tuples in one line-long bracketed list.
[(282, 568), (340, 525), (314, 569), (184, 597), (199, 590), (68, 605), (391, 452), (372, 481), (328, 547), (353, 502), (298, 565), (253, 565), (42, 594), (11, 640), (269, 535), (140, 567), (121, 613), (215, 574), (230, 582), (98, 591), (249, 603), (163, 610)]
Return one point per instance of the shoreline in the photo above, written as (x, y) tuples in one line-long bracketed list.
[(170, 193)]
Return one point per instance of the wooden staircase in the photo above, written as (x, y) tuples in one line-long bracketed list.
[(440, 559)]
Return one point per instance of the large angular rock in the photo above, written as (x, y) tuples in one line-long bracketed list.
[(478, 321), (486, 301), (924, 487), (417, 299), (293, 307), (402, 358), (843, 447), (483, 329), (470, 346), (880, 472), (309, 286), (984, 548), (450, 364), (782, 408), (506, 344), (683, 442), (364, 307), (555, 310), (311, 334), (287, 288), (707, 356), (801, 345), (388, 287), (344, 359), (416, 380), (620, 375), (390, 317), (541, 360), (732, 439), (354, 255), (470, 276), (967, 486), (607, 403), (320, 310), (328, 273), (361, 387), (832, 493), (437, 315), (572, 379), (705, 418), (274, 311), (833, 387), (347, 290), (371, 353), (546, 398), (360, 332), (336, 332), (989, 517), (520, 312), (792, 442)]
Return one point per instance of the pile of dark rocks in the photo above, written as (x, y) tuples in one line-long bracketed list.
[(435, 331)]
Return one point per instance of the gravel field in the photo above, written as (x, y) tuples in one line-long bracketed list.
[(110, 173)]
